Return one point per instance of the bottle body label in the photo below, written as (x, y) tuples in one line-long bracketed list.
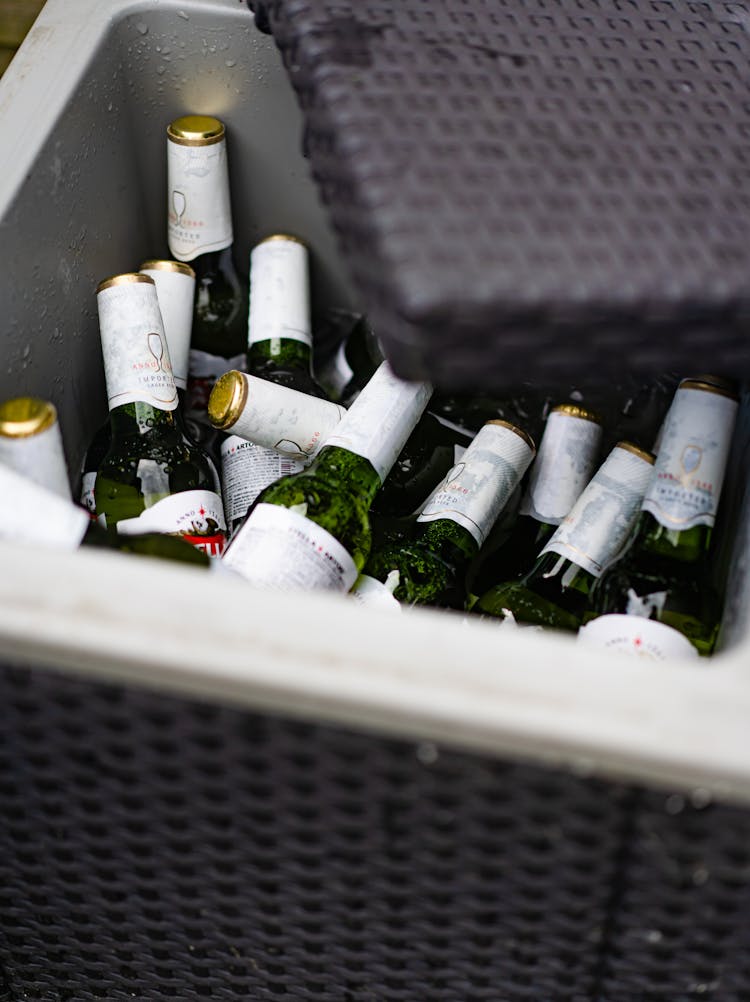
[(197, 516), (380, 420), (279, 292), (280, 549), (136, 357), (199, 217), (692, 459), (636, 636), (286, 420), (246, 470), (598, 526), (563, 467), (481, 483)]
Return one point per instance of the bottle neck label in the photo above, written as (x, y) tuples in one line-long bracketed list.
[(281, 550), (601, 520), (246, 470), (638, 637), (39, 457), (197, 516), (479, 486), (137, 366), (692, 459), (284, 419), (175, 294), (279, 293), (30, 513), (199, 215), (380, 420), (562, 468)]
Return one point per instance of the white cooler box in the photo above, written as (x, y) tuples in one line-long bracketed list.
[(213, 792)]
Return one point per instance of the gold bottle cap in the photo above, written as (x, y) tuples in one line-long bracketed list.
[(283, 236), (127, 279), (573, 410), (518, 431), (196, 130), (227, 399), (159, 265), (25, 416), (644, 454), (711, 384)]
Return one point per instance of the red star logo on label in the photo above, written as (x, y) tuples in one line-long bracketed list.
[(637, 642), (201, 511)]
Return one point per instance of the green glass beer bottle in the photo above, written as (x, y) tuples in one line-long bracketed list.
[(311, 530), (456, 519), (556, 591), (151, 479), (665, 575), (33, 514), (199, 231), (31, 443), (279, 350), (564, 465)]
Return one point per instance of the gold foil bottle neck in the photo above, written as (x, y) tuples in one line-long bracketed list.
[(196, 130), (22, 417), (131, 278), (516, 430), (711, 384), (574, 410), (289, 237), (643, 454), (166, 265), (227, 400)]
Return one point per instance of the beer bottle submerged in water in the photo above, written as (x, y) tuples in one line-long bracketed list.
[(151, 479), (665, 576), (456, 518)]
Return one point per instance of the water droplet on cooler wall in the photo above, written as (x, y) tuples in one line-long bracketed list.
[(142, 28)]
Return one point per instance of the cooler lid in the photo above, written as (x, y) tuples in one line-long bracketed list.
[(534, 189)]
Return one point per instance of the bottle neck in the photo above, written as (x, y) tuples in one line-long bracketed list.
[(285, 361), (686, 545), (207, 264), (551, 570), (354, 472), (140, 418), (447, 539)]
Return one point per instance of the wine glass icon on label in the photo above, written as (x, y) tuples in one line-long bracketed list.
[(179, 204)]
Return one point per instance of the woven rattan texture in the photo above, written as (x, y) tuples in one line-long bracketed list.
[(532, 188)]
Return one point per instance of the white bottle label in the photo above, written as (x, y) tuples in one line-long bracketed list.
[(638, 637), (199, 217), (136, 357), (563, 467), (601, 520), (337, 373), (39, 457), (374, 594), (280, 418), (175, 291), (197, 516), (279, 292), (246, 470), (88, 483), (280, 549), (478, 487), (692, 459), (33, 514), (380, 420)]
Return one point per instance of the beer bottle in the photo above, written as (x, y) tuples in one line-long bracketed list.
[(356, 357), (311, 530), (556, 591), (665, 575), (151, 479), (199, 231), (564, 465), (279, 350), (456, 519), (31, 443), (35, 515)]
